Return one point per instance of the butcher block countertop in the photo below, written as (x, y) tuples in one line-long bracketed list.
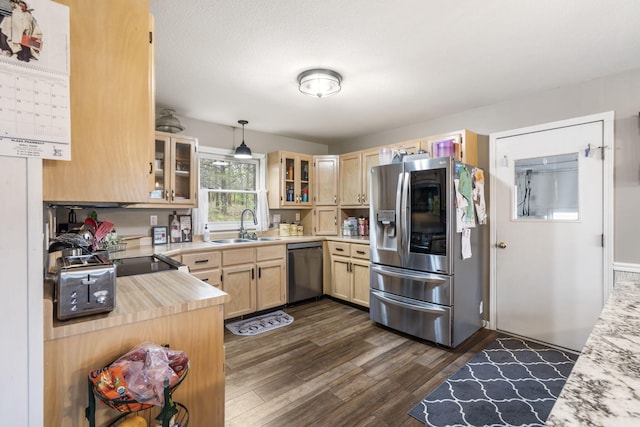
[(140, 297)]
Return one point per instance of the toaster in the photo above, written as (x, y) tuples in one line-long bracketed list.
[(84, 285)]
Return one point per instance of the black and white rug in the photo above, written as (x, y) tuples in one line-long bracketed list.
[(512, 382), (259, 324)]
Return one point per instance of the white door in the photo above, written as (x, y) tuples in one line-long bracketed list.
[(549, 232)]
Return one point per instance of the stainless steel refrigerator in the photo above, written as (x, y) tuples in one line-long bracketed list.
[(420, 282)]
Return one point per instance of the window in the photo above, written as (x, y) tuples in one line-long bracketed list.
[(227, 187), (546, 188)]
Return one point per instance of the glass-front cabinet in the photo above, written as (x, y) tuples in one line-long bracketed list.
[(173, 171), (290, 179)]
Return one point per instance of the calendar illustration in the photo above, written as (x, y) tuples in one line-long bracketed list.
[(35, 119)]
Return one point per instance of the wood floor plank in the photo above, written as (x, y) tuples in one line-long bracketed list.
[(334, 367)]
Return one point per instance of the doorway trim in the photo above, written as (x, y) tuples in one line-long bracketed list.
[(608, 139)]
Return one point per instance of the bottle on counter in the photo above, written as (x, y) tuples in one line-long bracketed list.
[(176, 237), (206, 235)]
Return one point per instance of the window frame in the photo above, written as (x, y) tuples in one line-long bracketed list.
[(212, 153)]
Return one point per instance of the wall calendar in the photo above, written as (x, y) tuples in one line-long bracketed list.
[(35, 119)]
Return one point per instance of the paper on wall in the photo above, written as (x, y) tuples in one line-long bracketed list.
[(35, 114), (466, 243)]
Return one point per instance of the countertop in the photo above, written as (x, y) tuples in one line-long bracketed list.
[(149, 296), (196, 246), (138, 298), (604, 385)]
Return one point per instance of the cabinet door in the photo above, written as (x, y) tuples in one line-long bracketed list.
[(360, 272), (341, 278), (325, 180), (350, 179), (239, 282), (370, 158), (304, 185), (110, 105), (159, 181), (325, 221), (183, 171), (271, 285)]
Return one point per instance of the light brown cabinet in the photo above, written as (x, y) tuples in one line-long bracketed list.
[(350, 272), (325, 180), (111, 105), (290, 180), (466, 145), (354, 177), (272, 282), (254, 278), (173, 171), (325, 221), (206, 266)]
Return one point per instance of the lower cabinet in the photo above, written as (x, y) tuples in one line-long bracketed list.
[(206, 266), (350, 272), (254, 278)]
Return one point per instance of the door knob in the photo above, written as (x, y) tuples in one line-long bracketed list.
[(502, 245)]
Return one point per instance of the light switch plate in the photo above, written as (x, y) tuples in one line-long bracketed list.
[(297, 216), (153, 220)]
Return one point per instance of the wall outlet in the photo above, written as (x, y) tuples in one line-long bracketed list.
[(297, 216), (153, 220)]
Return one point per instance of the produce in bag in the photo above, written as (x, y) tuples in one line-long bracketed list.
[(140, 375)]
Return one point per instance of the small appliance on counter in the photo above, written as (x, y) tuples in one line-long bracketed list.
[(85, 284)]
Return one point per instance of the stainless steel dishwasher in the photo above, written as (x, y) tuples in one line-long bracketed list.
[(304, 271)]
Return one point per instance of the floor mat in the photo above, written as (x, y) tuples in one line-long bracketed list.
[(259, 324), (512, 382)]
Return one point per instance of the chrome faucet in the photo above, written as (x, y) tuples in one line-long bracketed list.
[(243, 232)]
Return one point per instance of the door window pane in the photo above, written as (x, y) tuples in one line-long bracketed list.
[(546, 188)]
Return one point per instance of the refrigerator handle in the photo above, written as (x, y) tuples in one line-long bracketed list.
[(403, 195)]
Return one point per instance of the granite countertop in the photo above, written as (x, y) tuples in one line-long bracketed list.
[(604, 386)]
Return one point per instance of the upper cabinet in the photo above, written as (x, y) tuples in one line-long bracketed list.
[(173, 170), (354, 177), (111, 105), (325, 180), (289, 180), (464, 141)]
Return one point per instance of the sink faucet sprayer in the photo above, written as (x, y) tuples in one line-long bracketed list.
[(243, 232)]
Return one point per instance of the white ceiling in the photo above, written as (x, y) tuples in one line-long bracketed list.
[(403, 62)]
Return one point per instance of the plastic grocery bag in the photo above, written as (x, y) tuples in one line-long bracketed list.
[(141, 373)]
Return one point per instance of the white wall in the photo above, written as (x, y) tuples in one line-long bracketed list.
[(21, 305), (219, 136), (619, 93)]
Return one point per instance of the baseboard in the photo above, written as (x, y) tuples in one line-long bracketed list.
[(626, 267)]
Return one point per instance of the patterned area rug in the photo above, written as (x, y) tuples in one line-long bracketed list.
[(511, 382), (259, 324)]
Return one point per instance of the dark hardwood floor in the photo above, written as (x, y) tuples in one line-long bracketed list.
[(334, 367)]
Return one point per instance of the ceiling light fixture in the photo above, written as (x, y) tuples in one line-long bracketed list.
[(319, 82), (242, 152), (167, 122)]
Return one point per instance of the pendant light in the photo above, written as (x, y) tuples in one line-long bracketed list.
[(319, 82), (242, 152)]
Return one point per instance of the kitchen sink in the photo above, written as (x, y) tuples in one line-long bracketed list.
[(231, 241), (227, 241)]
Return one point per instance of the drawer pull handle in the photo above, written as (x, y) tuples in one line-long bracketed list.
[(360, 252), (201, 261), (339, 249)]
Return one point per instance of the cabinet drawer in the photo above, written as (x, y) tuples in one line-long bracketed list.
[(360, 251), (201, 260), (270, 252), (238, 256), (339, 248), (212, 277)]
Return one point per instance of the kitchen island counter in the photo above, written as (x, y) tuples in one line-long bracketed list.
[(602, 389), (166, 308)]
